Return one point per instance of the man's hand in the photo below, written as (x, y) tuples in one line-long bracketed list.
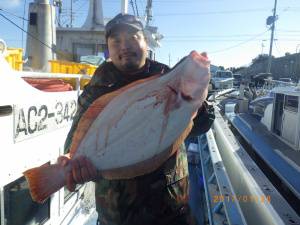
[(81, 170)]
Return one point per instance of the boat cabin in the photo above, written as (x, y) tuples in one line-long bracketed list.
[(222, 79), (33, 127), (285, 120)]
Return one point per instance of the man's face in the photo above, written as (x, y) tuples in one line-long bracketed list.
[(127, 49)]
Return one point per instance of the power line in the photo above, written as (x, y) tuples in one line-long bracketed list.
[(223, 40), (216, 36), (275, 43), (288, 40), (142, 5), (12, 14), (214, 12), (219, 12), (226, 40), (31, 35), (291, 31), (205, 13), (289, 35), (239, 44), (210, 12), (80, 7), (277, 48), (172, 1), (12, 40)]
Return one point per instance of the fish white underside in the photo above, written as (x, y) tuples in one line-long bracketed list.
[(126, 132)]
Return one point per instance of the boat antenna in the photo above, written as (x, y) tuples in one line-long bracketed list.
[(136, 8), (71, 14), (148, 12), (271, 21), (23, 22), (132, 6), (58, 4)]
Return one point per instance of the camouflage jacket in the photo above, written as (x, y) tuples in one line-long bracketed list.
[(157, 198)]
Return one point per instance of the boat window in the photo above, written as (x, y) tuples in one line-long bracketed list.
[(291, 103), (19, 207), (224, 74), (33, 18), (237, 76)]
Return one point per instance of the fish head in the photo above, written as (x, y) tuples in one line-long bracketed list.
[(194, 76)]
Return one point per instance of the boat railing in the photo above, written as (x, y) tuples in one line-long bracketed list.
[(236, 189), (270, 84), (77, 77), (217, 185)]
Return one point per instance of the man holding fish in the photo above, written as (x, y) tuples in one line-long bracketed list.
[(154, 191)]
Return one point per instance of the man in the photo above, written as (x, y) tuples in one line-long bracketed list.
[(159, 197)]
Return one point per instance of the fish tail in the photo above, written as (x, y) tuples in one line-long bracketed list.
[(45, 180)]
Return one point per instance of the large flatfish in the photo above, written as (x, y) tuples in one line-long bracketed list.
[(132, 131)]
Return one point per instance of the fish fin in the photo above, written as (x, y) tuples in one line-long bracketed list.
[(95, 109), (43, 181)]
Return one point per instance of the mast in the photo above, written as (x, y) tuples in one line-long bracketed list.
[(58, 4), (94, 18), (148, 12), (124, 6), (132, 6), (151, 32), (41, 25), (71, 14), (271, 20)]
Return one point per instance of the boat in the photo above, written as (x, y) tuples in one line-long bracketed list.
[(30, 120), (254, 155)]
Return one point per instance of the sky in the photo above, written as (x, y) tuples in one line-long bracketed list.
[(232, 32)]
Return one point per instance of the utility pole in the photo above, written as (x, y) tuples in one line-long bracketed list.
[(124, 6), (273, 19)]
